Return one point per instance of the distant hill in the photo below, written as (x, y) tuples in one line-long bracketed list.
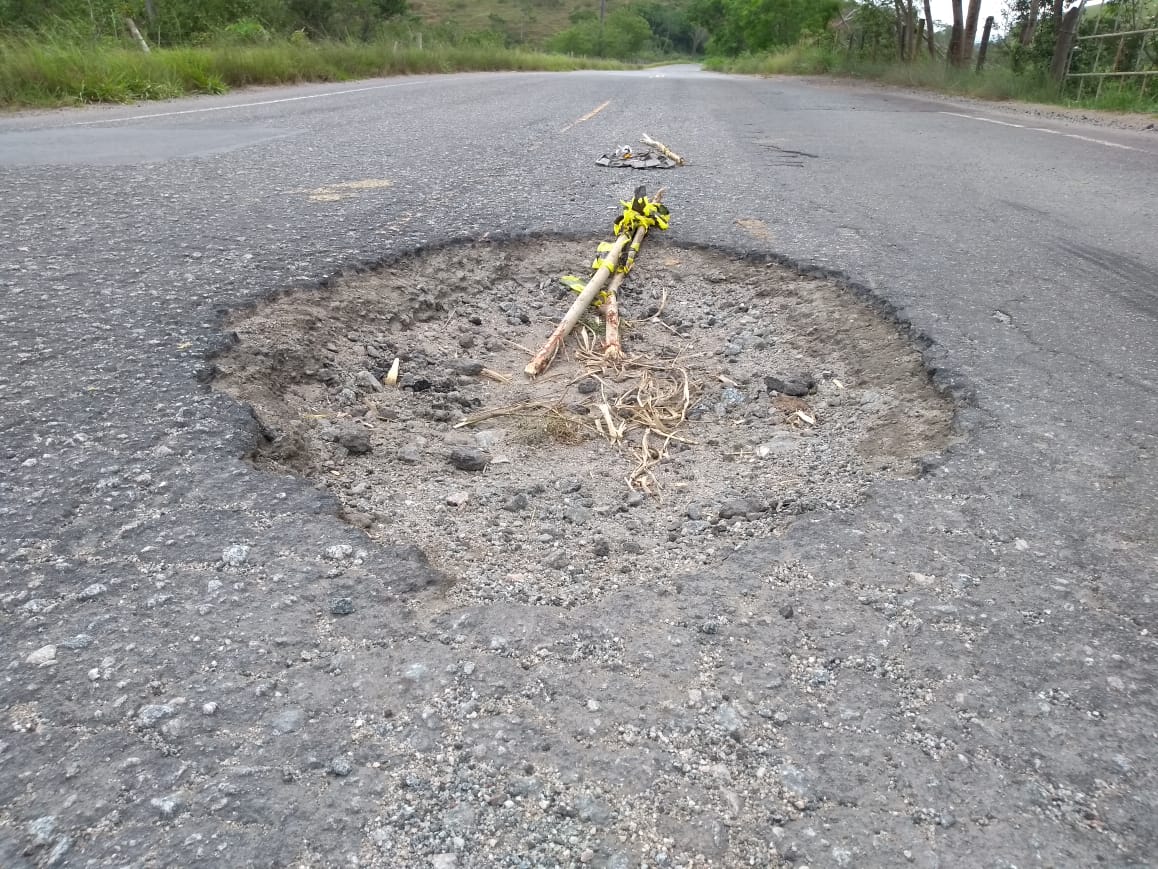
[(524, 21)]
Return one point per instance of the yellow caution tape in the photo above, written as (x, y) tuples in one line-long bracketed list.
[(577, 285), (638, 212), (600, 262), (641, 211)]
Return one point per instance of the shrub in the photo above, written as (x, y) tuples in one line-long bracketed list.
[(244, 32)]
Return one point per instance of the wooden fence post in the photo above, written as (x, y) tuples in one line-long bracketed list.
[(970, 29), (929, 28), (1029, 29), (914, 31), (1066, 35), (984, 43), (132, 25), (957, 36)]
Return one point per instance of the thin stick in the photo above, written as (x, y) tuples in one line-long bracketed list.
[(496, 376), (663, 149), (612, 346), (547, 352), (523, 408)]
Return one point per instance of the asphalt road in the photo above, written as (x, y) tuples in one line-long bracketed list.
[(987, 631)]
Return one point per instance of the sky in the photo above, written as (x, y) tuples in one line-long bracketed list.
[(943, 12)]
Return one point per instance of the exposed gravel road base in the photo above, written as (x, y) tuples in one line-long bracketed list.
[(798, 396)]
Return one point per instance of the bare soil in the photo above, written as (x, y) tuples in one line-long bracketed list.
[(556, 513)]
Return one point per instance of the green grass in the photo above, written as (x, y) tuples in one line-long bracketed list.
[(37, 73), (995, 82)]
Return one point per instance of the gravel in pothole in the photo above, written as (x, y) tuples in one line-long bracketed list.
[(799, 397)]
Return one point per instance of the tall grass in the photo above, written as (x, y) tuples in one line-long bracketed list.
[(995, 82), (55, 73)]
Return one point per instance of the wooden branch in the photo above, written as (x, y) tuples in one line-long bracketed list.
[(662, 148), (547, 352), (610, 260), (612, 346)]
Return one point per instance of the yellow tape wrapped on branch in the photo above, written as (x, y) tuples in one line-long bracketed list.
[(576, 286), (601, 263), (641, 211), (639, 215), (637, 212)]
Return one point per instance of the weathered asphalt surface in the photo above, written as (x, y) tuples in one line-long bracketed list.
[(987, 632)]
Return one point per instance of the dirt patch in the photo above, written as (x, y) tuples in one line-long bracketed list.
[(779, 393)]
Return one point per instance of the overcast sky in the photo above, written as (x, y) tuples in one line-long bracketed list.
[(943, 12)]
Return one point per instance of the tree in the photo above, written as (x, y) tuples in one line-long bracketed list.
[(626, 33), (671, 26), (760, 25)]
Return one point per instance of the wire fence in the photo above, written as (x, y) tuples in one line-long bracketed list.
[(1122, 54)]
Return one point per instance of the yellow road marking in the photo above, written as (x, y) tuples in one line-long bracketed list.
[(587, 117), (347, 189), (754, 227)]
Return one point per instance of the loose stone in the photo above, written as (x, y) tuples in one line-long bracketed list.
[(516, 503), (355, 438), (42, 657), (797, 385), (467, 459), (341, 606), (235, 556)]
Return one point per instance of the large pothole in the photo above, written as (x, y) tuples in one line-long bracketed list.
[(556, 516)]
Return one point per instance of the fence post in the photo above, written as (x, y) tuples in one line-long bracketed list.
[(1065, 43), (929, 28), (984, 43), (971, 29), (957, 36), (132, 25)]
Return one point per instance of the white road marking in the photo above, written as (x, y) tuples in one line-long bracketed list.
[(1101, 142), (1044, 130), (376, 87), (986, 120)]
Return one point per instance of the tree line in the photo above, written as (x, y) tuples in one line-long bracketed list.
[(628, 29)]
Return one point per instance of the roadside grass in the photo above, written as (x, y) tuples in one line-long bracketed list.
[(56, 73), (995, 82)]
